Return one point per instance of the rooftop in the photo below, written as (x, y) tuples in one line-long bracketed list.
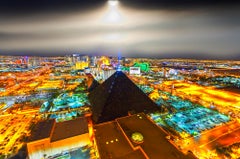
[(38, 133), (59, 131), (137, 154), (155, 144), (114, 140), (69, 129), (111, 141)]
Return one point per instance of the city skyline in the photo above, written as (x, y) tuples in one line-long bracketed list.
[(200, 29), (100, 107)]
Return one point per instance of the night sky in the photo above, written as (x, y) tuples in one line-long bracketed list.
[(133, 28)]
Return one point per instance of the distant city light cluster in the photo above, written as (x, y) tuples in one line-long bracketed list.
[(92, 106)]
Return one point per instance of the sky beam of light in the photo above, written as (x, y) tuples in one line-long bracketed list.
[(113, 15), (110, 28)]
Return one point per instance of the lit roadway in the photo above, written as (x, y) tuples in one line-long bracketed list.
[(34, 75), (211, 139), (15, 124), (224, 101)]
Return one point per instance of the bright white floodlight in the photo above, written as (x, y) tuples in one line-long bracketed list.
[(113, 2), (113, 15)]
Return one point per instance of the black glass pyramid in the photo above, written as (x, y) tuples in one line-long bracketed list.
[(117, 96), (93, 85)]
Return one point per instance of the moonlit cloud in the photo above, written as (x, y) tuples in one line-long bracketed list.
[(132, 31)]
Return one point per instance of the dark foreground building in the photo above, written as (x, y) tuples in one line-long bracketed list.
[(115, 140), (118, 96), (49, 138)]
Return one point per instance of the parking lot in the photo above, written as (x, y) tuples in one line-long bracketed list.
[(85, 152), (196, 120), (189, 117)]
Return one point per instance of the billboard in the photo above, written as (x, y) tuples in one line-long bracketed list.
[(134, 71)]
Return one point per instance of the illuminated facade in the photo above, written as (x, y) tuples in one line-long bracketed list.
[(103, 61), (58, 137), (81, 65)]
